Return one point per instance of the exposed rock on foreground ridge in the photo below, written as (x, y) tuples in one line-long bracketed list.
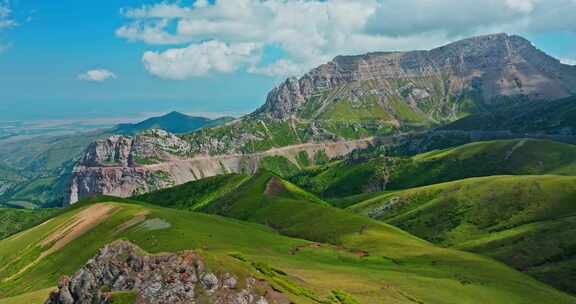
[(158, 279)]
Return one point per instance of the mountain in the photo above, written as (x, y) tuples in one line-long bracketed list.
[(472, 75), (348, 102), (303, 249), (523, 221), (173, 122), (37, 171)]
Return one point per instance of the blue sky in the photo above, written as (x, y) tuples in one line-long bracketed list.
[(224, 56), (65, 38)]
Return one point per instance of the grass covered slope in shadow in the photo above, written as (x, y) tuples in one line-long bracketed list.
[(194, 195), (554, 117), (500, 157), (527, 222)]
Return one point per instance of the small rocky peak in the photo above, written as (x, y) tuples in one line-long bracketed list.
[(158, 279), (114, 150)]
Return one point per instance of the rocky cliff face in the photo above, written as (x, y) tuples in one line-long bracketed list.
[(158, 279), (117, 165), (491, 69), (124, 166)]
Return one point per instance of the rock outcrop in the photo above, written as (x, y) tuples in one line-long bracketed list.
[(123, 166), (158, 279), (495, 68)]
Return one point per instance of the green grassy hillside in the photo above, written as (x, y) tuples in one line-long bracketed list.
[(292, 217), (524, 221), (353, 258), (15, 220), (194, 195), (555, 117), (500, 157)]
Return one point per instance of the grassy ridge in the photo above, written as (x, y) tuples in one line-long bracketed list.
[(194, 195), (500, 157), (525, 221), (280, 165), (292, 217), (185, 230)]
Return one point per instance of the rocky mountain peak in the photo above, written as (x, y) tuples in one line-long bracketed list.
[(498, 67)]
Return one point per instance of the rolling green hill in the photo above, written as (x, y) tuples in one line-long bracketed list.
[(358, 259), (194, 195), (500, 157), (281, 205), (526, 222)]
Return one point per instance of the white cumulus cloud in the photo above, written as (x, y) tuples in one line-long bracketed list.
[(97, 75), (6, 20), (200, 59), (310, 32), (281, 67), (524, 6), (568, 61)]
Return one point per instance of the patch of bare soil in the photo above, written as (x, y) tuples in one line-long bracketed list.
[(274, 187)]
